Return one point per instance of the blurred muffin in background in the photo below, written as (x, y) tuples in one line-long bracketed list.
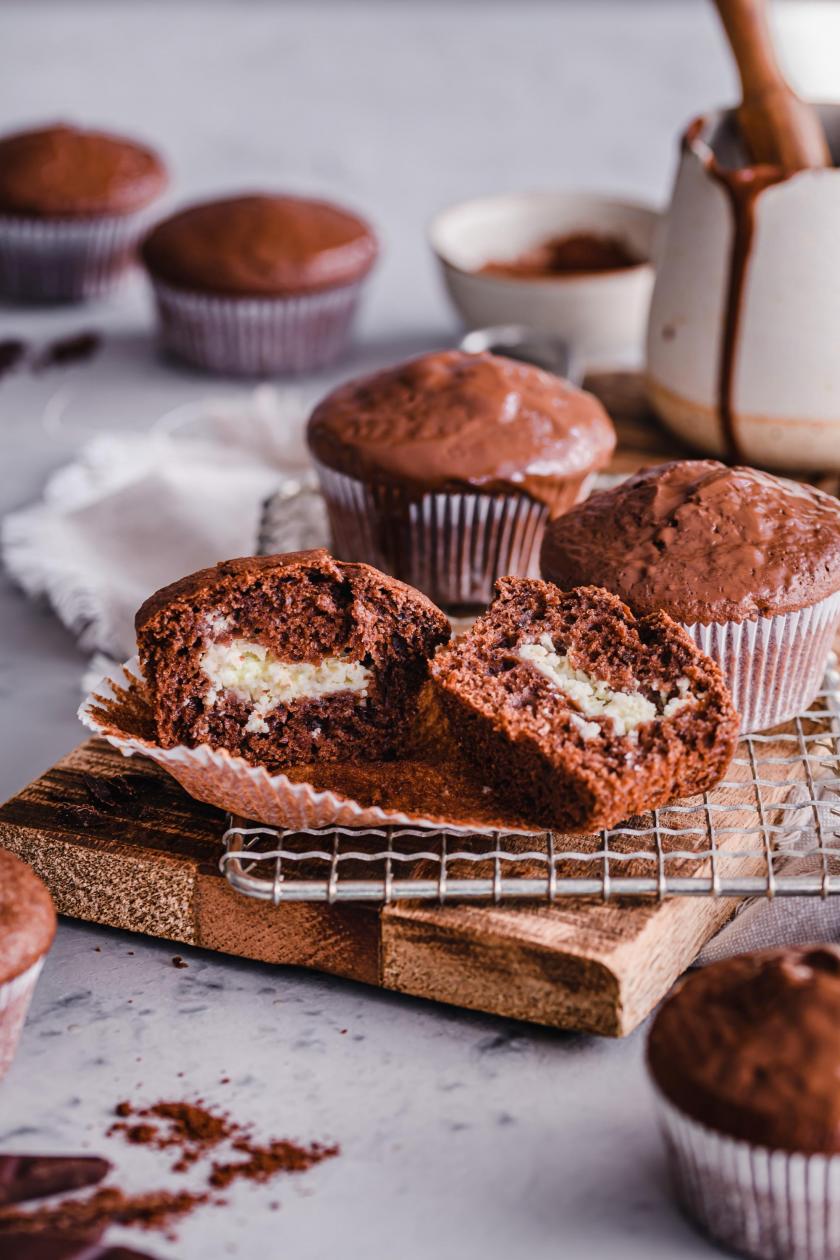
[(743, 1056), (27, 928), (73, 206), (445, 470), (257, 285)]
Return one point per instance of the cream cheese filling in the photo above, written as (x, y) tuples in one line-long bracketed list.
[(627, 710), (256, 677)]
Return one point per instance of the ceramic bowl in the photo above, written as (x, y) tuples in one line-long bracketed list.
[(785, 400), (602, 315)]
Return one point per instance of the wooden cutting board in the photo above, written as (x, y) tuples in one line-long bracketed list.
[(591, 966), (146, 860)]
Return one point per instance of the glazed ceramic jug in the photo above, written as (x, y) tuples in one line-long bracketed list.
[(743, 344)]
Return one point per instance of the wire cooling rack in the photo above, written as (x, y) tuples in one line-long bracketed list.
[(772, 828)]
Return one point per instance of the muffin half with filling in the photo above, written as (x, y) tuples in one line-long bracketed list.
[(288, 659), (579, 714)]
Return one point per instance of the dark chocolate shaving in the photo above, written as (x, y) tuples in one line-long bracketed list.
[(12, 351), (24, 1177), (60, 1247), (67, 351)]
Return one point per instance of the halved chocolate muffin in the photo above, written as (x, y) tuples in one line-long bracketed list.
[(288, 659), (580, 714)]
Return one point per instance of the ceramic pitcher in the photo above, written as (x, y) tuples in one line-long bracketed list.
[(779, 335)]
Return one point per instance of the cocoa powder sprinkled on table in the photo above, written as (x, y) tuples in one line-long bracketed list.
[(190, 1128), (193, 1131), (264, 1162)]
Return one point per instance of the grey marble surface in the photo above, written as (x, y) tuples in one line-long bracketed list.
[(462, 1135)]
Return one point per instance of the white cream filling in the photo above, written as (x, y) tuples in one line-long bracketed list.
[(256, 677), (593, 697)]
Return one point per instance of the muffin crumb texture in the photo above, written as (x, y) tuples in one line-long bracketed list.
[(288, 659), (579, 713)]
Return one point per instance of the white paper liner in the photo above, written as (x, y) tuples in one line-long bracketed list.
[(215, 776), (450, 545), (66, 260), (244, 336), (773, 666), (15, 996), (775, 1205)]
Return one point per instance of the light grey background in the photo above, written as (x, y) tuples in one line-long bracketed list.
[(463, 1135)]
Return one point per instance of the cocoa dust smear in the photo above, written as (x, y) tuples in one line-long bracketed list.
[(87, 1218), (190, 1130)]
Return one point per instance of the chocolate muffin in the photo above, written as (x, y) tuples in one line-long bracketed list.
[(444, 471), (288, 659), (580, 714), (258, 284), (27, 928), (747, 562), (744, 1056), (72, 209)]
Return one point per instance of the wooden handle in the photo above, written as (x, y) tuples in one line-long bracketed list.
[(745, 23), (778, 128)]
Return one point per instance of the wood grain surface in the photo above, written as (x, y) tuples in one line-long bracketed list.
[(119, 843)]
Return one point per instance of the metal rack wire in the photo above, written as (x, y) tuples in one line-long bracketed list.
[(772, 828)]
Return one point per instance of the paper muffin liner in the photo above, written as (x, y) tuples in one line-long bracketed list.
[(15, 996), (773, 666), (774, 1205), (450, 545), (244, 336), (66, 260), (217, 777)]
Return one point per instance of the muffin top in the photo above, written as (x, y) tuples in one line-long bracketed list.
[(702, 541), (751, 1047), (27, 917), (64, 172), (245, 571), (451, 420), (262, 246)]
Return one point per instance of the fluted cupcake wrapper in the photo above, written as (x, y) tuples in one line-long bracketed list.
[(219, 778), (15, 996), (774, 1205), (451, 545), (773, 666), (244, 336), (66, 260)]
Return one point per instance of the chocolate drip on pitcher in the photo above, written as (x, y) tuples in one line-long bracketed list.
[(743, 186)]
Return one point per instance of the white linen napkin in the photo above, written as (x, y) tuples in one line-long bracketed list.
[(136, 511)]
